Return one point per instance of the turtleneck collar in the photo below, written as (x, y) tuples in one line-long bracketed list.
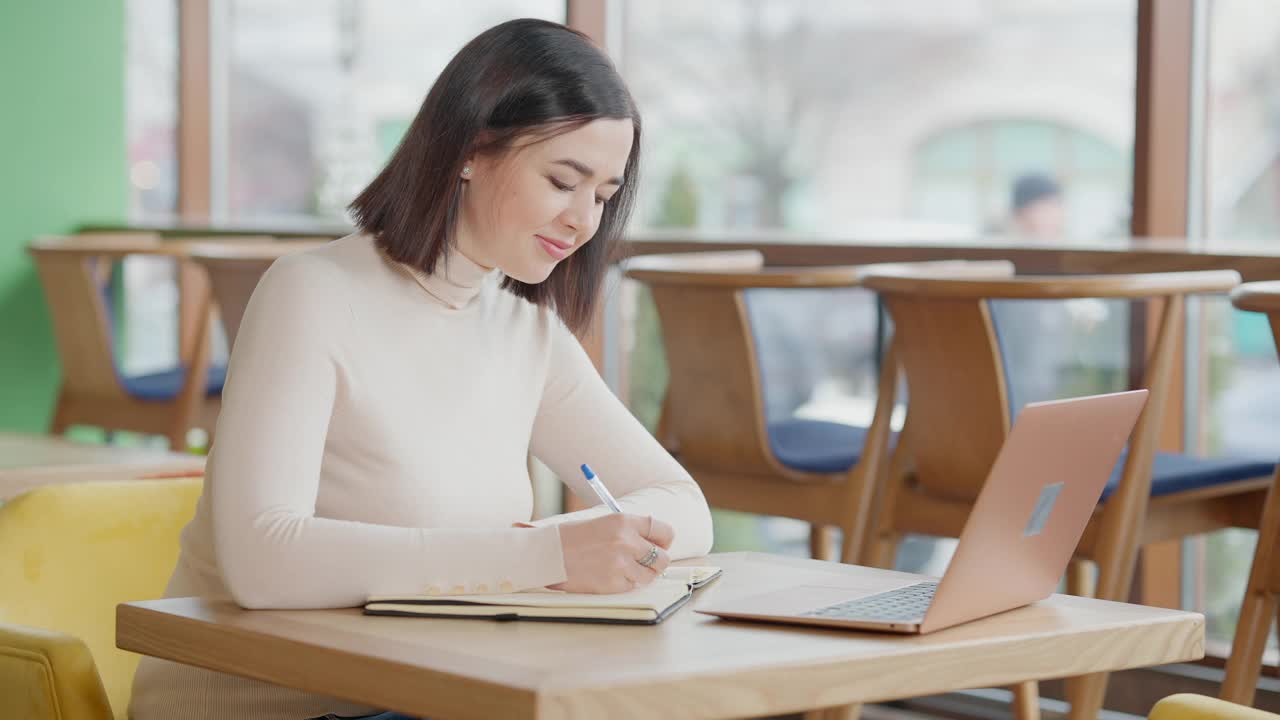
[(456, 280)]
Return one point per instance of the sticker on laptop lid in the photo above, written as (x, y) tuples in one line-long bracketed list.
[(1044, 506)]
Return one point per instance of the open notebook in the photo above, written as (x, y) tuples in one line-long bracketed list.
[(648, 605)]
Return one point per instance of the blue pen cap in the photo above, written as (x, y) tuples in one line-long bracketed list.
[(586, 471)]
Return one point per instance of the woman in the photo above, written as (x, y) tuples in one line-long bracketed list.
[(386, 388)]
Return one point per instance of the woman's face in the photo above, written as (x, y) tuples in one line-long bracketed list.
[(527, 209)]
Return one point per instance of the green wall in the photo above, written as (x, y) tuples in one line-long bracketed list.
[(62, 163)]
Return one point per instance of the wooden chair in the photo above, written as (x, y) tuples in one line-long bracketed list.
[(958, 417), (234, 268), (713, 415), (93, 390), (1262, 595)]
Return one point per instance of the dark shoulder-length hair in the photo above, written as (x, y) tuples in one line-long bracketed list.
[(520, 78)]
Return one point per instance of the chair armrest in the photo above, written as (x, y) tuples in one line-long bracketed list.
[(1263, 297), (48, 675), (113, 245), (1185, 706), (1060, 287), (823, 276)]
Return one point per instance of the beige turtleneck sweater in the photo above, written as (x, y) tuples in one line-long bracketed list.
[(373, 439)]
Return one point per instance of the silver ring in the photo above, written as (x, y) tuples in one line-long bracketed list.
[(647, 560)]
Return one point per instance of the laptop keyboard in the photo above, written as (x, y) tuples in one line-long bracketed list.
[(905, 604)]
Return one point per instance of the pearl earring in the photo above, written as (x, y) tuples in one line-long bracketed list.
[(466, 171)]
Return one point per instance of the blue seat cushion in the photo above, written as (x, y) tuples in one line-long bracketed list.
[(1174, 473), (816, 445), (166, 384), (1171, 472), (827, 447)]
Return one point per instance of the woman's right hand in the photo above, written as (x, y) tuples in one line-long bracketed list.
[(602, 555)]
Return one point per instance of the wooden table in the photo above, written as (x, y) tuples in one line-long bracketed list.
[(692, 666), (28, 461)]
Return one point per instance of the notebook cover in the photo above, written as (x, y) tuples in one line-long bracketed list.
[(503, 614)]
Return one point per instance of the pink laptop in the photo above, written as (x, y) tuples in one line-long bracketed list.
[(1043, 488)]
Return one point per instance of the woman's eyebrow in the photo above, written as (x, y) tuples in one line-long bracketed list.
[(584, 170)]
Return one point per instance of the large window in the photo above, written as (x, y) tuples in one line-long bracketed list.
[(320, 92), (317, 94), (1243, 122), (151, 106), (862, 117), (982, 173), (869, 120), (1240, 380), (149, 338)]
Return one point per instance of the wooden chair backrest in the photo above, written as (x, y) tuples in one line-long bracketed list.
[(74, 271), (1264, 297), (234, 270), (958, 409), (1261, 297), (714, 413), (73, 289)]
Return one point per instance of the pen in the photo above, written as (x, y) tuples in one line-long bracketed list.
[(601, 491)]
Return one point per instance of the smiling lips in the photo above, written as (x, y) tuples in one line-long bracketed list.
[(555, 248)]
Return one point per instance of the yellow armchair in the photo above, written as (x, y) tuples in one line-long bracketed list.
[(1186, 706), (68, 555)]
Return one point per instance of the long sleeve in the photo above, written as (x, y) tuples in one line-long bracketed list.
[(581, 421), (289, 364)]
